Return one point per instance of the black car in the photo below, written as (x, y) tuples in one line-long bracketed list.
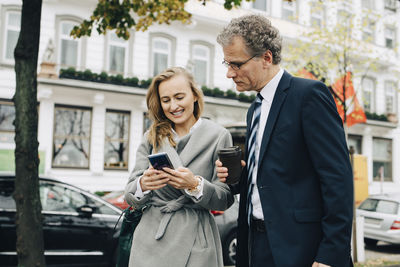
[(227, 226), (78, 227)]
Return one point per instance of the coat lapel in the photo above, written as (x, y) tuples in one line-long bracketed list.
[(277, 102)]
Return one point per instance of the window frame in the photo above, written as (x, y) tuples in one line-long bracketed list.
[(321, 14), (82, 42), (293, 9), (107, 139), (72, 107), (210, 66), (393, 94), (5, 11), (393, 39), (369, 26), (171, 54), (127, 45), (372, 94), (369, 6), (379, 160), (267, 3), (12, 132)]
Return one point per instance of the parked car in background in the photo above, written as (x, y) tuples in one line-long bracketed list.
[(78, 227), (116, 198), (381, 218), (227, 226)]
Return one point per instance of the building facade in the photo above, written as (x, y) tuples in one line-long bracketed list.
[(89, 130)]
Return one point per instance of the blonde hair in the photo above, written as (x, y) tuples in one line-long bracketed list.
[(162, 126)]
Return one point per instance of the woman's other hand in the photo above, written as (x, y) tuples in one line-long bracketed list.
[(181, 178), (153, 179)]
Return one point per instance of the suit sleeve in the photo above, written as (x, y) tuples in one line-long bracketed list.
[(326, 144)]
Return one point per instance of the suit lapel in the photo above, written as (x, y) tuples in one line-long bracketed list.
[(277, 102)]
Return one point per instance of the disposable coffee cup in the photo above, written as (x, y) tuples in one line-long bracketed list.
[(230, 158)]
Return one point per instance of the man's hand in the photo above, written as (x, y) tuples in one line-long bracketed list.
[(222, 172), (317, 264)]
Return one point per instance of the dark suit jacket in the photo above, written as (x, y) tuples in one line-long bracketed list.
[(304, 179)]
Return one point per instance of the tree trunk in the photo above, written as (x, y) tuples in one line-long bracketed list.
[(29, 245)]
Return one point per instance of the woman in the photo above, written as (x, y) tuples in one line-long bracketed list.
[(177, 228)]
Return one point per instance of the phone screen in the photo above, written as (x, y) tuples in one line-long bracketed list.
[(160, 160)]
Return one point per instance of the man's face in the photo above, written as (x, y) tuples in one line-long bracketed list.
[(251, 75)]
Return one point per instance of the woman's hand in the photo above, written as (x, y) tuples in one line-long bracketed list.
[(181, 178), (153, 179)]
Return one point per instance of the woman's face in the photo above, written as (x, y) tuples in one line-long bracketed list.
[(177, 101)]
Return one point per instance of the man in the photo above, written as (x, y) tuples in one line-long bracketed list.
[(296, 192)]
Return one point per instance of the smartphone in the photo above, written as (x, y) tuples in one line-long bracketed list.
[(160, 160)]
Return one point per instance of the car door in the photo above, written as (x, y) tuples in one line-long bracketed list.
[(8, 254), (72, 235)]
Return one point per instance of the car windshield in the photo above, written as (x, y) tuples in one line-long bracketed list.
[(380, 205)]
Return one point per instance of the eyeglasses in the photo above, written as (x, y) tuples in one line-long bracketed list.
[(236, 65)]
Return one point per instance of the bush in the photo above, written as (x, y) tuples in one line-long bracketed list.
[(217, 92), (375, 116), (87, 75), (103, 77), (134, 81), (145, 83), (231, 94), (244, 98), (206, 91)]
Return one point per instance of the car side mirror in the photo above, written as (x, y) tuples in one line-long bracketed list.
[(86, 210)]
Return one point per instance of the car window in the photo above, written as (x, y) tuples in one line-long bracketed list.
[(6, 198), (59, 198), (379, 205), (56, 197)]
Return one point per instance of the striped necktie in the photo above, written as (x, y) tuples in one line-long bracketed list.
[(251, 148)]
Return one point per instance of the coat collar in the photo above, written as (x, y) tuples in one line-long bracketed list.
[(277, 102)]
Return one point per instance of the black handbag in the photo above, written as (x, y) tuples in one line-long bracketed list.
[(130, 221)]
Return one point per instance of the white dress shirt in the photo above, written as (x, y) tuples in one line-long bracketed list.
[(267, 93), (139, 192)]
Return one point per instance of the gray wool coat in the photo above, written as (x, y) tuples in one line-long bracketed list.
[(176, 229)]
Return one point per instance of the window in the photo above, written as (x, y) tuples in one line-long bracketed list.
[(317, 14), (69, 47), (368, 4), (117, 51), (7, 116), (390, 37), (201, 61), (380, 205), (391, 5), (390, 97), (64, 199), (368, 30), (355, 141), (382, 159), (116, 139), (368, 86), (288, 10), (161, 54), (146, 121), (12, 26), (71, 142), (344, 18), (260, 5)]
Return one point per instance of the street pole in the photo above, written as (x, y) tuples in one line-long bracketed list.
[(355, 250)]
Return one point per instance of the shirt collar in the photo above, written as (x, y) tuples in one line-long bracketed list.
[(194, 127), (269, 89)]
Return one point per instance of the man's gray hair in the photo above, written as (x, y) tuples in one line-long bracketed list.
[(257, 33)]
